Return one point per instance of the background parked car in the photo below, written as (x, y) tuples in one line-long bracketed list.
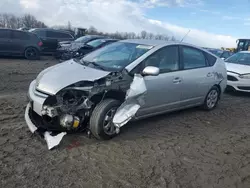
[(83, 40), (79, 50), (21, 43), (238, 71), (66, 46), (51, 37), (223, 54)]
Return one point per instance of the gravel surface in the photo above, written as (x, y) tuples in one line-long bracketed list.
[(190, 148)]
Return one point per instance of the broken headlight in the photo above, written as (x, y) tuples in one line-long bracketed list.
[(69, 121)]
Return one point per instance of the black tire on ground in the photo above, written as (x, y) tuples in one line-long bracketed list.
[(211, 99), (31, 53), (97, 119)]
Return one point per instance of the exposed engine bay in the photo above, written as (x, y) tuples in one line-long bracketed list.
[(70, 108)]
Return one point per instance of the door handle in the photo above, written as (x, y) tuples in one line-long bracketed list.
[(209, 74), (176, 80)]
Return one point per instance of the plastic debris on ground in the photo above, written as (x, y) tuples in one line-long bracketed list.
[(53, 141)]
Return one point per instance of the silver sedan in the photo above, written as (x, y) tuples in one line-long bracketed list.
[(126, 80)]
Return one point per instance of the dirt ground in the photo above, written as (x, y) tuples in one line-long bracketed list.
[(188, 149)]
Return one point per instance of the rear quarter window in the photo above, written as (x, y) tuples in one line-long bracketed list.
[(210, 59)]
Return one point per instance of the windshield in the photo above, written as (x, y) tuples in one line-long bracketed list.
[(116, 56), (239, 58), (216, 52), (83, 39), (96, 43)]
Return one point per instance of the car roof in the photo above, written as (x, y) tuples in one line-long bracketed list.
[(159, 43), (13, 30), (50, 29), (148, 42)]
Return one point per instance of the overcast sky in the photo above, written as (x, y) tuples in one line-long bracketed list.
[(211, 24)]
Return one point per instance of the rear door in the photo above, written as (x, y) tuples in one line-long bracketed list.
[(197, 76), (163, 91), (5, 41), (19, 41)]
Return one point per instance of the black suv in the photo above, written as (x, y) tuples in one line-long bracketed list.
[(16, 42), (51, 37)]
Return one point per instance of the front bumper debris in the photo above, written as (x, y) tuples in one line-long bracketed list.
[(134, 100), (51, 140)]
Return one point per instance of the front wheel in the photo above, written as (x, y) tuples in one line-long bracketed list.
[(31, 53), (101, 125), (212, 98)]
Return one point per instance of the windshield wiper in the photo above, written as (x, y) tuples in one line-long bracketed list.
[(93, 63)]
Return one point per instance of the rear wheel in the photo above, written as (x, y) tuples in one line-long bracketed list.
[(101, 125), (31, 53), (212, 98)]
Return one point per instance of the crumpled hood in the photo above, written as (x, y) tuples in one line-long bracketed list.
[(57, 77), (72, 47), (240, 69)]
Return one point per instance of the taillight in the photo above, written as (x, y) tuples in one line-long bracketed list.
[(40, 43)]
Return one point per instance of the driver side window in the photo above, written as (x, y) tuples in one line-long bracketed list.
[(166, 59)]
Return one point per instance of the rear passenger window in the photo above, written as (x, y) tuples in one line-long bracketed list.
[(166, 59), (64, 35), (4, 34), (40, 33), (52, 34), (193, 58), (20, 35), (211, 59)]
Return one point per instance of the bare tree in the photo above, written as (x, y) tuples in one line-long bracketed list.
[(92, 30), (143, 34), (69, 26)]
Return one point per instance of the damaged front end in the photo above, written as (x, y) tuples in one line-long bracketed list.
[(54, 113)]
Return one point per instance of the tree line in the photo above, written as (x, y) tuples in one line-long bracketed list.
[(29, 21), (132, 35), (15, 22)]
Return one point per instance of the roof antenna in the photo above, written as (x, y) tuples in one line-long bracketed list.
[(185, 35)]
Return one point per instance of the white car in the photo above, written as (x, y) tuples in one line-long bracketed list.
[(238, 71)]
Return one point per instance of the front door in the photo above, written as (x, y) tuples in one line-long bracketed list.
[(163, 91), (197, 76), (5, 41)]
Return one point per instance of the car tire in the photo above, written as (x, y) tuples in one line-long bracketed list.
[(100, 123), (31, 53), (212, 99)]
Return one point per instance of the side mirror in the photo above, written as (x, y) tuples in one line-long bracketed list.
[(223, 58), (151, 71)]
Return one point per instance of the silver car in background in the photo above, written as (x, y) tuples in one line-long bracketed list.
[(238, 71), (86, 93)]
